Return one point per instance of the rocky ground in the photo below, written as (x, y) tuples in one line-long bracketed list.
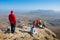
[(22, 31), (23, 34)]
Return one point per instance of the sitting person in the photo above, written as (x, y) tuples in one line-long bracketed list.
[(33, 31), (38, 23)]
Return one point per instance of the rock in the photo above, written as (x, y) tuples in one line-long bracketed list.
[(43, 34)]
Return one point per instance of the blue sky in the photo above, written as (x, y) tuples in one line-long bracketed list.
[(30, 5)]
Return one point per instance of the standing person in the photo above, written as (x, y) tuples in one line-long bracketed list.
[(12, 19)]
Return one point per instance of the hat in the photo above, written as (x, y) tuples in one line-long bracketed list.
[(12, 11)]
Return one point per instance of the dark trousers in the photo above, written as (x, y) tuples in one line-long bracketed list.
[(37, 25), (13, 28)]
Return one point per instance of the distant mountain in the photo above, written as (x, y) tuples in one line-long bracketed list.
[(32, 12), (43, 12)]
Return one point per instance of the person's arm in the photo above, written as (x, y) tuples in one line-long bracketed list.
[(10, 19), (14, 18)]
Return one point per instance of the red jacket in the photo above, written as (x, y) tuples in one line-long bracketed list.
[(38, 22), (12, 18)]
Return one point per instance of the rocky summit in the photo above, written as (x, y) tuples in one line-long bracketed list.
[(24, 34)]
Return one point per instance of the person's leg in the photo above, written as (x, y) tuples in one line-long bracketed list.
[(37, 25), (14, 28), (11, 28)]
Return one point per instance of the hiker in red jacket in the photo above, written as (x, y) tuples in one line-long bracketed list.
[(37, 23), (12, 19)]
